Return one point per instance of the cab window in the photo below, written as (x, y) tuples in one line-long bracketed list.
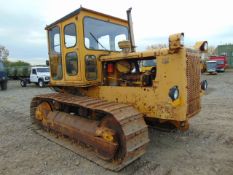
[(103, 35), (72, 63), (70, 35), (91, 67), (34, 71), (55, 44), (103, 41), (55, 53)]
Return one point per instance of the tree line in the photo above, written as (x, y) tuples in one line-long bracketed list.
[(4, 56)]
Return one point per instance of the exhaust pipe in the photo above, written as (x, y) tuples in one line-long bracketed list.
[(131, 34)]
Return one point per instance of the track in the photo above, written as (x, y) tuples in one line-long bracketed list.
[(135, 131)]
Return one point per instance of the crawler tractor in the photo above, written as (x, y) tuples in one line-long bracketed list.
[(102, 100)]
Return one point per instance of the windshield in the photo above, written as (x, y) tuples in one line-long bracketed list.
[(102, 35), (149, 63), (220, 62), (211, 65), (42, 69)]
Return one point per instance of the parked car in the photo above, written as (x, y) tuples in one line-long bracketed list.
[(211, 67), (221, 62), (38, 75)]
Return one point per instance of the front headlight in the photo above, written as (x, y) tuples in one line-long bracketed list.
[(174, 93), (204, 85)]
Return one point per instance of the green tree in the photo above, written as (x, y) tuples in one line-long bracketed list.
[(18, 63), (4, 53)]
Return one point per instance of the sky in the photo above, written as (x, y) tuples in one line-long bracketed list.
[(22, 22)]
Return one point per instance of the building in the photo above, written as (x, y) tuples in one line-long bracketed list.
[(227, 50)]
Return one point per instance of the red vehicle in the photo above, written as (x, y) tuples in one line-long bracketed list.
[(221, 62)]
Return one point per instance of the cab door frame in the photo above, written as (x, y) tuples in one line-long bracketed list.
[(66, 50)]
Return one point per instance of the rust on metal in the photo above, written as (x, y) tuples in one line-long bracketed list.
[(193, 84), (120, 137), (42, 110)]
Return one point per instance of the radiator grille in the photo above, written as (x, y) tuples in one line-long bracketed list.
[(193, 83)]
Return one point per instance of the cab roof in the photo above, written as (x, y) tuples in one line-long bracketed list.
[(77, 12)]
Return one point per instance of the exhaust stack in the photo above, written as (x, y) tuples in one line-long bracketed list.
[(131, 34)]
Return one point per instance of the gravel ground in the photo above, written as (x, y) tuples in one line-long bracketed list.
[(207, 148)]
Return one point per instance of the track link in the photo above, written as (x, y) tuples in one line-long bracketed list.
[(131, 121)]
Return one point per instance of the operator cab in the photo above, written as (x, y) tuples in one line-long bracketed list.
[(77, 40)]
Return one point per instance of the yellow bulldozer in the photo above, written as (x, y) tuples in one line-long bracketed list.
[(102, 100)]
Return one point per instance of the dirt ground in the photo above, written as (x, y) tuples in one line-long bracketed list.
[(207, 148)]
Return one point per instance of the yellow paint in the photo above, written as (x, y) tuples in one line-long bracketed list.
[(41, 110), (199, 44), (108, 136), (151, 101), (175, 41), (145, 68), (176, 102), (81, 50), (123, 66), (105, 133)]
